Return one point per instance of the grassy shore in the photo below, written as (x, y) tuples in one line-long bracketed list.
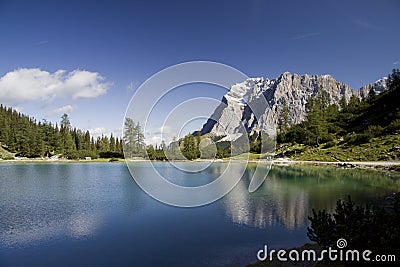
[(385, 166), (253, 158), (383, 148)]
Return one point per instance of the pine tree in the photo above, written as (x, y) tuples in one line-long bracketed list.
[(121, 147), (65, 123), (99, 144), (151, 154), (26, 137), (134, 144), (284, 119), (4, 129), (118, 145), (68, 143), (38, 148), (371, 94), (112, 143), (56, 141), (140, 144), (189, 147), (93, 145), (353, 104), (173, 151), (129, 137), (343, 103), (105, 144), (317, 117), (86, 141)]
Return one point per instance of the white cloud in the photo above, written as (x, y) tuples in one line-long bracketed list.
[(96, 132), (117, 132), (99, 131), (155, 140), (63, 109), (161, 130), (23, 85), (157, 135), (18, 109)]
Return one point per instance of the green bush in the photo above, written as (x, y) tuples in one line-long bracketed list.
[(394, 126), (374, 130), (297, 133), (329, 144), (357, 139), (373, 228), (325, 137), (81, 154), (110, 154)]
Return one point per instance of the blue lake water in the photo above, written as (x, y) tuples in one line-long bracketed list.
[(94, 214)]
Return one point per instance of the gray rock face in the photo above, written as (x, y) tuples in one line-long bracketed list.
[(244, 109), (379, 86)]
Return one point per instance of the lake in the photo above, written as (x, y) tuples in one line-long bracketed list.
[(94, 214)]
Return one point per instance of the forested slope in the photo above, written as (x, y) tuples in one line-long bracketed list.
[(358, 130), (23, 136)]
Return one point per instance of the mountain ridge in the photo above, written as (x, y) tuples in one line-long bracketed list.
[(288, 91)]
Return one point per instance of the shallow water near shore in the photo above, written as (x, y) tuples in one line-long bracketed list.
[(94, 214)]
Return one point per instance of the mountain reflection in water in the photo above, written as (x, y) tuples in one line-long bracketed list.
[(290, 193)]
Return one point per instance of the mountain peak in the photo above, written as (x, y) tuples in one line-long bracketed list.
[(292, 89)]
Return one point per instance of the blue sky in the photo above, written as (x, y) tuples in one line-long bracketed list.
[(116, 45)]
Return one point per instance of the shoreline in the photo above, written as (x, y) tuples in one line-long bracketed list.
[(274, 162), (363, 163), (279, 162), (382, 166), (59, 161)]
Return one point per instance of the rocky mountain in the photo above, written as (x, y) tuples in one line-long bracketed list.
[(243, 108), (379, 86)]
